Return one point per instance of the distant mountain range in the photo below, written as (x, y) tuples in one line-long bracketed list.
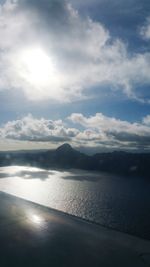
[(65, 157)]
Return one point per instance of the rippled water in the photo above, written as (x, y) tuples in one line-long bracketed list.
[(121, 203)]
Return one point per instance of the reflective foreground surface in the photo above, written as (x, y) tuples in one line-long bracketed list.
[(31, 235)]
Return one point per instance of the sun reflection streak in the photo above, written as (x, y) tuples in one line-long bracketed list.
[(35, 219)]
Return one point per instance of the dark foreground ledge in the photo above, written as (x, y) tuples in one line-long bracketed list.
[(32, 235)]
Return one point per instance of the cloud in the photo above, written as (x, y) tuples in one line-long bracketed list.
[(95, 132), (49, 51), (37, 130), (113, 132), (145, 30), (146, 120)]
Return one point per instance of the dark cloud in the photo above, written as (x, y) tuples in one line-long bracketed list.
[(54, 13), (131, 137)]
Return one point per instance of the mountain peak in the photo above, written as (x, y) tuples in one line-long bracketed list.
[(65, 148)]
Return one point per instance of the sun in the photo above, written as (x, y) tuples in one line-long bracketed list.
[(39, 73), (36, 66)]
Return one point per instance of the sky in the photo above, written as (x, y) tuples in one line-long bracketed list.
[(77, 72)]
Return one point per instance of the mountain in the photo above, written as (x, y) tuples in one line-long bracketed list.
[(65, 148), (66, 157)]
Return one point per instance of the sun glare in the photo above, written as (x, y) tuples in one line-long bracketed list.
[(36, 219), (36, 66), (38, 73)]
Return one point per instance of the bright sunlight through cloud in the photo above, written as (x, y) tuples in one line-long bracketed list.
[(38, 67), (38, 71), (48, 50)]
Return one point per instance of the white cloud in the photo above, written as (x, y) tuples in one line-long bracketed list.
[(81, 53), (146, 120), (145, 30), (108, 124), (111, 131), (95, 132), (37, 130)]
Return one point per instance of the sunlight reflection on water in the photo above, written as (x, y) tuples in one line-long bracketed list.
[(47, 187), (122, 203)]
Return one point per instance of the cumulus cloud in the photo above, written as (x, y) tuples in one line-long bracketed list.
[(95, 132), (48, 50), (113, 132), (37, 130)]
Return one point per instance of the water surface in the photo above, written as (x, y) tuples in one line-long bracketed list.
[(117, 202)]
